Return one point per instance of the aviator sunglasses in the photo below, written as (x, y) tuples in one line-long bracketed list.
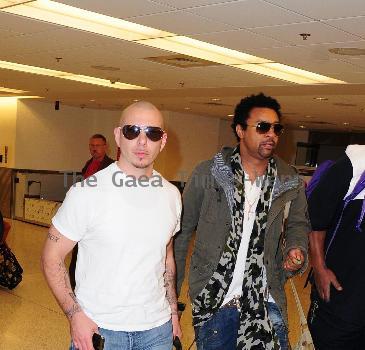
[(264, 127), (154, 133)]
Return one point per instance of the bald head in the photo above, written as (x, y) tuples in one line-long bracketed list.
[(138, 152), (131, 114)]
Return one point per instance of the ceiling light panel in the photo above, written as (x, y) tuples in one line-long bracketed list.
[(73, 17), (12, 91), (65, 75), (57, 13), (9, 3)]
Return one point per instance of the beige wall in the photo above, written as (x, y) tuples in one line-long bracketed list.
[(191, 139), (226, 135), (58, 140), (8, 121), (288, 144)]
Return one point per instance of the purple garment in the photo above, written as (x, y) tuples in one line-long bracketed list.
[(358, 188), (360, 185), (321, 169)]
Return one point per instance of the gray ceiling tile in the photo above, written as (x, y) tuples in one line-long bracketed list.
[(354, 25), (320, 33), (183, 4), (181, 22), (320, 9), (240, 39), (249, 14), (119, 9)]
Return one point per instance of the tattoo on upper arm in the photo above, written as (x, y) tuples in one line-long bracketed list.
[(53, 237)]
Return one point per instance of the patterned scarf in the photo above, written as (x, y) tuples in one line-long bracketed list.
[(256, 330)]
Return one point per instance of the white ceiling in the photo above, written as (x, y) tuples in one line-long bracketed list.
[(265, 28)]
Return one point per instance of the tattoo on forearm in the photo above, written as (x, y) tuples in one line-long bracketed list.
[(69, 306), (53, 238), (73, 296), (170, 278), (64, 277), (75, 308)]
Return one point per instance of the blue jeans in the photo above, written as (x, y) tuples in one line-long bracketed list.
[(220, 331), (279, 325), (158, 338)]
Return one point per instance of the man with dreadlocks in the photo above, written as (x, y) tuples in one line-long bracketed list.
[(244, 248)]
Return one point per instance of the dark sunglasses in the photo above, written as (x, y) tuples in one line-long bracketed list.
[(264, 127), (154, 133)]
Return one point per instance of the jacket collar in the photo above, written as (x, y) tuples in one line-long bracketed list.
[(287, 177)]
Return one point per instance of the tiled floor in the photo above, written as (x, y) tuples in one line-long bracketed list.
[(30, 318)]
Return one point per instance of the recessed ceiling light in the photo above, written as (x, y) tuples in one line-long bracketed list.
[(66, 75), (92, 100), (347, 51), (106, 68), (289, 113), (341, 104), (308, 116), (230, 115), (302, 126), (135, 100), (215, 99), (320, 98), (346, 123), (320, 122), (73, 17), (181, 61), (187, 108)]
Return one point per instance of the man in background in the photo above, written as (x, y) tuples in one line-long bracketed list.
[(98, 161)]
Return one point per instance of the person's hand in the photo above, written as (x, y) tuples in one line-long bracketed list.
[(294, 260), (323, 278), (176, 329), (82, 329)]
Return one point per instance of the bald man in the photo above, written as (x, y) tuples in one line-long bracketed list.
[(124, 223)]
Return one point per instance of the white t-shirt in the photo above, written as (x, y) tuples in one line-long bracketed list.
[(252, 196), (122, 233)]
